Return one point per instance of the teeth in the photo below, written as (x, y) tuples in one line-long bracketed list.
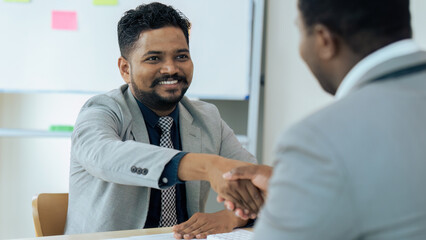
[(169, 82)]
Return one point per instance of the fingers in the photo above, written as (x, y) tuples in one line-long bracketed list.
[(233, 192), (256, 199), (244, 196), (240, 213), (190, 228), (220, 199), (193, 223), (242, 191), (204, 235), (258, 174), (246, 202), (229, 205), (202, 224)]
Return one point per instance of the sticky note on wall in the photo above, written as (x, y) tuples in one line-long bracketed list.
[(23, 1), (105, 2), (64, 20)]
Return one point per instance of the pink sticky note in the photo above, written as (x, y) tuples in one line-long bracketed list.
[(64, 20)]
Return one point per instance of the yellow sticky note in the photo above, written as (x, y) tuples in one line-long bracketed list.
[(105, 2), (23, 1)]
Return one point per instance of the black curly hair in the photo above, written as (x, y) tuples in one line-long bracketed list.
[(145, 17), (365, 25)]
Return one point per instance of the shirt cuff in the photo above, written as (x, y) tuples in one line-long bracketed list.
[(169, 177)]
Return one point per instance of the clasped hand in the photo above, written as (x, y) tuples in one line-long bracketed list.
[(242, 193), (246, 189)]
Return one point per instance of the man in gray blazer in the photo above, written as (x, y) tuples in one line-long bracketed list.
[(138, 152), (355, 169)]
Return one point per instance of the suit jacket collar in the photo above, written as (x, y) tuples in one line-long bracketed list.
[(139, 131), (190, 137), (189, 133), (389, 67)]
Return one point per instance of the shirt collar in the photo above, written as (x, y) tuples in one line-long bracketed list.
[(393, 50), (151, 118)]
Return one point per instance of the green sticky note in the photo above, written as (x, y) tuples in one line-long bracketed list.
[(61, 128), (22, 1), (105, 2)]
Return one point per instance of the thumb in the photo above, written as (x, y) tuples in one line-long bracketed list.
[(220, 199), (244, 172)]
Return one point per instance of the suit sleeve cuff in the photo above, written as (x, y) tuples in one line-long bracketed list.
[(169, 177)]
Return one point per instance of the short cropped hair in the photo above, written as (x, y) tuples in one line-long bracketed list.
[(365, 25), (147, 17)]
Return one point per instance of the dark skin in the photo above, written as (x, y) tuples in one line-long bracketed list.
[(164, 54), (259, 175), (326, 54), (330, 59)]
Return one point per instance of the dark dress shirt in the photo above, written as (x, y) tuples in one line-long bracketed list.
[(170, 170)]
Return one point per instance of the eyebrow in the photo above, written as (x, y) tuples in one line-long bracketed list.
[(183, 50), (152, 53)]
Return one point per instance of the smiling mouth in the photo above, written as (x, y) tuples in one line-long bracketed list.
[(168, 82)]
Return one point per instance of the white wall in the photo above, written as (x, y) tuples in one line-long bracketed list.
[(32, 165), (291, 91)]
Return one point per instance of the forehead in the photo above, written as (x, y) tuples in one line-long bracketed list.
[(162, 39)]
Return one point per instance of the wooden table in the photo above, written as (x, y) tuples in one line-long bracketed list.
[(104, 235)]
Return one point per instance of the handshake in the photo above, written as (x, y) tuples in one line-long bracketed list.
[(244, 189)]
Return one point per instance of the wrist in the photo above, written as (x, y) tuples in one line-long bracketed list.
[(196, 166), (236, 221)]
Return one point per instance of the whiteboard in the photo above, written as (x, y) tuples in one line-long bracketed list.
[(36, 58)]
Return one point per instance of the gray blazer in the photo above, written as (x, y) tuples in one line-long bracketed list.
[(110, 137), (357, 168)]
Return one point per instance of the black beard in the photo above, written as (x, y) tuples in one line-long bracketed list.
[(154, 101)]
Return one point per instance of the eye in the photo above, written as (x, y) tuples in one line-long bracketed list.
[(152, 59), (182, 57)]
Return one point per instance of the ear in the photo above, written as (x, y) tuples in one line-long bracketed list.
[(325, 42), (124, 67)]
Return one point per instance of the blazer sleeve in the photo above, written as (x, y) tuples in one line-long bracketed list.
[(308, 196), (102, 147)]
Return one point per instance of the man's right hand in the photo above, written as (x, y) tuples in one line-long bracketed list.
[(259, 175), (209, 167)]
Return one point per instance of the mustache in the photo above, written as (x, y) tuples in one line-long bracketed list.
[(168, 77)]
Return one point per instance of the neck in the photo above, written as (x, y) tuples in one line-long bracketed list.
[(163, 112), (343, 65)]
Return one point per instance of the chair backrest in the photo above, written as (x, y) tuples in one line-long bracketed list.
[(50, 213)]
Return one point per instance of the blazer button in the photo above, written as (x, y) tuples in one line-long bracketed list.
[(133, 169), (139, 171), (144, 171)]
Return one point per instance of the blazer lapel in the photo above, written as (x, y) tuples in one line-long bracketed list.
[(191, 142), (138, 128)]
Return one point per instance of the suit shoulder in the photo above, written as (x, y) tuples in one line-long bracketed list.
[(113, 99), (200, 107), (112, 104)]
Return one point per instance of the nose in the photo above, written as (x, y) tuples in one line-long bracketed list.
[(169, 67)]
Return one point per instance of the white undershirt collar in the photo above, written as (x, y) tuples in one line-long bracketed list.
[(393, 50)]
